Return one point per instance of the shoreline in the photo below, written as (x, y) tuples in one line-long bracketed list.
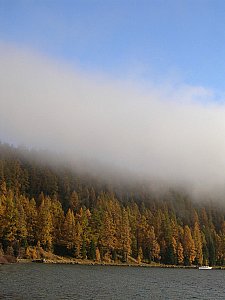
[(112, 264), (72, 261)]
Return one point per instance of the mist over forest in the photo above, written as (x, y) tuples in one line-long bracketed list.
[(48, 208), (157, 133), (109, 170)]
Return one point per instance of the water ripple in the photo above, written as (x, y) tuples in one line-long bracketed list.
[(43, 281)]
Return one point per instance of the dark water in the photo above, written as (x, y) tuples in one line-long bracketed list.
[(46, 281)]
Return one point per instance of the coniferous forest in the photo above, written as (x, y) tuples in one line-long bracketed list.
[(51, 208)]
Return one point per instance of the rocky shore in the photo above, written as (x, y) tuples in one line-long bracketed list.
[(7, 259)]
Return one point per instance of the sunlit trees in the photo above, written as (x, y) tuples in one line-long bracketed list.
[(110, 231), (198, 244), (189, 246), (125, 242), (45, 224), (108, 235), (68, 231), (32, 221), (9, 220), (52, 209), (180, 254), (57, 214)]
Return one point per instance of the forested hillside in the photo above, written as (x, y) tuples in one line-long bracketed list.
[(53, 208)]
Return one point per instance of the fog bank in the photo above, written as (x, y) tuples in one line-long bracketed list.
[(168, 134)]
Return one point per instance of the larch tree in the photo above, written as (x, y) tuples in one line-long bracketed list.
[(74, 201), (189, 246), (57, 221), (108, 234), (69, 231), (79, 242), (21, 225), (180, 254), (9, 220), (197, 236), (125, 235), (32, 221), (45, 224)]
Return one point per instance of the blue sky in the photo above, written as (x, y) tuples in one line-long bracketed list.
[(132, 86), (157, 41)]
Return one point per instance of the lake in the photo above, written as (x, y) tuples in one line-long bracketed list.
[(54, 281)]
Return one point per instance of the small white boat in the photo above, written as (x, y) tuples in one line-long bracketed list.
[(205, 268)]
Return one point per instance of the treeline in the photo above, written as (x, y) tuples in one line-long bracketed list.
[(52, 209)]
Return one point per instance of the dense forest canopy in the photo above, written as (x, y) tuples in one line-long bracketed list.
[(51, 207)]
